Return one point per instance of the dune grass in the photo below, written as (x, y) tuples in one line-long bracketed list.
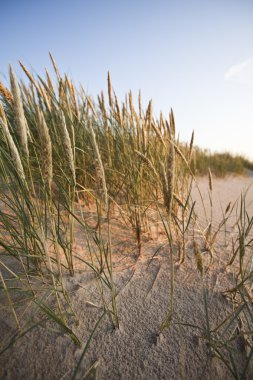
[(220, 164), (58, 149)]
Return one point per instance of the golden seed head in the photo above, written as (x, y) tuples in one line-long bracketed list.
[(19, 113), (12, 147), (67, 146), (191, 145), (6, 93), (109, 90), (29, 75), (46, 148), (55, 67)]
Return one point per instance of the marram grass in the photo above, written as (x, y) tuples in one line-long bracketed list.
[(58, 148)]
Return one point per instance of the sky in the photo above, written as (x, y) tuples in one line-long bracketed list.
[(195, 57)]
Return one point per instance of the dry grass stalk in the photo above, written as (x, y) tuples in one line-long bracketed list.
[(26, 93), (172, 123), (124, 113), (100, 104), (138, 128), (140, 105), (99, 167), (30, 101), (2, 114), (43, 94), (170, 177), (148, 122), (67, 83), (148, 162), (178, 200), (91, 106), (102, 100), (46, 148), (168, 174), (165, 187), (180, 154), (126, 101), (107, 131), (67, 146), (131, 106), (103, 109), (144, 138), (49, 82), (161, 123), (191, 146), (210, 180), (168, 130), (119, 117), (73, 92), (32, 92), (132, 112), (29, 75), (158, 133), (109, 90), (55, 67), (19, 114), (149, 115), (71, 127), (13, 149), (6, 93), (61, 93)]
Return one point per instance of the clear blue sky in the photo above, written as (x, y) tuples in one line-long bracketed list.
[(193, 56)]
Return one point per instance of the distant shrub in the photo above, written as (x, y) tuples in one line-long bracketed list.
[(219, 163)]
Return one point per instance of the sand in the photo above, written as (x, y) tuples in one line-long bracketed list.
[(137, 350)]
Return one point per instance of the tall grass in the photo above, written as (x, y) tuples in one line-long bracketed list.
[(60, 149), (219, 163)]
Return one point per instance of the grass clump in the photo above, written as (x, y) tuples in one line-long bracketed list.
[(62, 153), (219, 163)]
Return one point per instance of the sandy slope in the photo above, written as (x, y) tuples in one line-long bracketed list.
[(137, 350)]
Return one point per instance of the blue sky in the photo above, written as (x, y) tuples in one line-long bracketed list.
[(193, 56)]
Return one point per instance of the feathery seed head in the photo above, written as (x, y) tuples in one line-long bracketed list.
[(46, 147), (29, 75), (172, 123), (19, 114), (55, 67), (191, 146), (140, 105), (6, 93), (12, 147), (67, 146), (109, 90)]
